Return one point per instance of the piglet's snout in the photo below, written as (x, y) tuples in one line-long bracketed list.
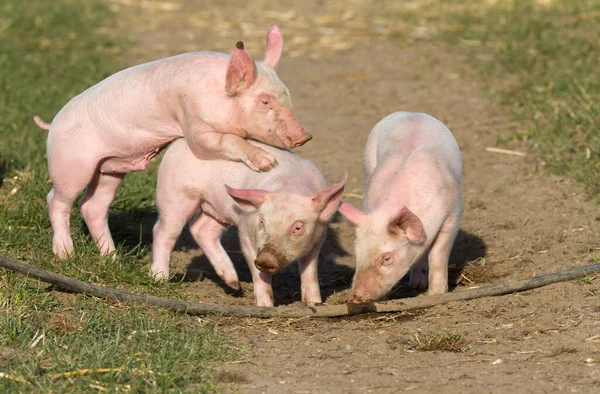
[(303, 139), (359, 298), (291, 132), (267, 263), (294, 140)]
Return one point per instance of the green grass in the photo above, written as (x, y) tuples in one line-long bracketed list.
[(45, 335), (51, 51), (541, 59)]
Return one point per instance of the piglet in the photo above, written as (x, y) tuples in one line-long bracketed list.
[(412, 206), (213, 100), (281, 215)]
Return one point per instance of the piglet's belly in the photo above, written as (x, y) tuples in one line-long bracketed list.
[(118, 165), (209, 210)]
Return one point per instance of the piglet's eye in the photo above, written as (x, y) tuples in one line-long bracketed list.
[(297, 228), (386, 259), (265, 102)]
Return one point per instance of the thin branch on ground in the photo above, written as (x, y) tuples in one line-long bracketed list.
[(196, 308)]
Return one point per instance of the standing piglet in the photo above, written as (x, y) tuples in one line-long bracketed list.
[(213, 100), (412, 206), (281, 215)]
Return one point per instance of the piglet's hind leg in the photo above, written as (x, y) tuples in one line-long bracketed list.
[(438, 258), (59, 210), (67, 185), (94, 207), (172, 216), (207, 233)]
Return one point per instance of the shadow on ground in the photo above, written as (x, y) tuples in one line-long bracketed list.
[(333, 277), (467, 249), (134, 229), (6, 166), (130, 228), (3, 170)]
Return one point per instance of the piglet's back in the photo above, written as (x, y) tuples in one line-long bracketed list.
[(401, 133), (205, 179)]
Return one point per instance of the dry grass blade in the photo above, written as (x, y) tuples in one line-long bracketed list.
[(81, 372), (354, 195), (465, 278), (11, 377), (594, 339), (98, 387), (505, 151)]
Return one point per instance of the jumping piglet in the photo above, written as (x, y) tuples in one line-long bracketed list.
[(213, 100)]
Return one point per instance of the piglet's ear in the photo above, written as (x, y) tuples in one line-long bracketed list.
[(354, 216), (248, 199), (274, 47), (241, 72), (406, 223), (327, 201)]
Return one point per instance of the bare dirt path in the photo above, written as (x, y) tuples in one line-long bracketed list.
[(345, 73)]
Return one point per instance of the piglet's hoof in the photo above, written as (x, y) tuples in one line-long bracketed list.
[(261, 161), (235, 286)]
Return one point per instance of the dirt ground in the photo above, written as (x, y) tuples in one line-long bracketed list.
[(346, 71)]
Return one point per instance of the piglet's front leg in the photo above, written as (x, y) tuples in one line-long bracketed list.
[(215, 145), (311, 292), (263, 291)]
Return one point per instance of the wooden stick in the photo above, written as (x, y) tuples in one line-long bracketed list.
[(197, 308)]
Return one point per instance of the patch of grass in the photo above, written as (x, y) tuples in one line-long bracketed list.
[(50, 52), (541, 59), (588, 280), (443, 341), (46, 336)]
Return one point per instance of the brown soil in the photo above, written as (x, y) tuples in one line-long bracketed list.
[(517, 222)]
